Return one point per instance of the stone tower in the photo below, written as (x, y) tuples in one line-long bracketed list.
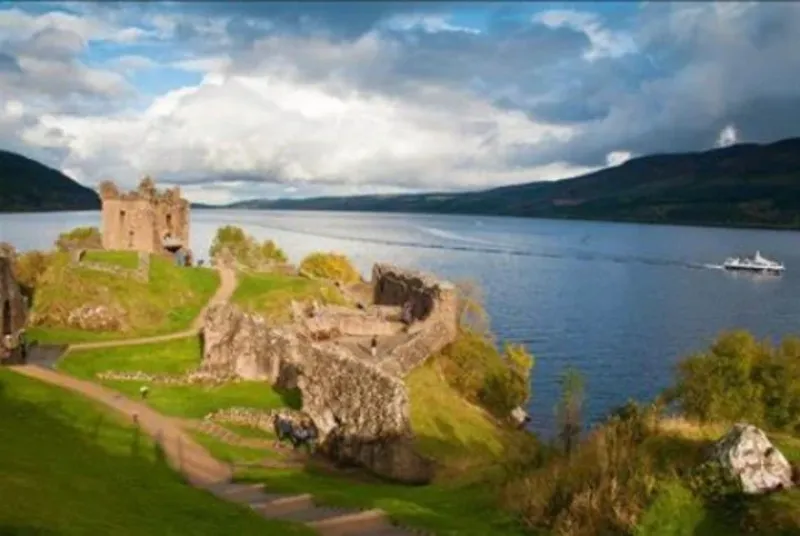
[(145, 219), (13, 309)]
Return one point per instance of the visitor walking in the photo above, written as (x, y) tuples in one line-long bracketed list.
[(373, 347)]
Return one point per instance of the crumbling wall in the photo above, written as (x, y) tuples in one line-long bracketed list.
[(13, 309), (360, 411), (434, 308), (140, 220), (348, 322)]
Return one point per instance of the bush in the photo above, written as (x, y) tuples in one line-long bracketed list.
[(244, 249), (80, 238), (602, 488), (331, 266), (475, 368), (30, 266), (741, 379)]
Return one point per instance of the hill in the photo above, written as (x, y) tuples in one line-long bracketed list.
[(28, 186), (743, 185)]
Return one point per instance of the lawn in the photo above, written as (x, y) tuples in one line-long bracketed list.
[(172, 357), (70, 467), (121, 259), (271, 294), (168, 302)]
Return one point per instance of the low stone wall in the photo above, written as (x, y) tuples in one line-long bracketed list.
[(354, 322), (140, 273), (407, 356)]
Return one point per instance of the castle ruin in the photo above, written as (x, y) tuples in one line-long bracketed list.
[(13, 307), (145, 219)]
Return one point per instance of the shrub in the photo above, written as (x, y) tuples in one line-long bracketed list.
[(30, 266), (601, 488), (569, 409), (332, 266), (475, 368), (80, 238), (471, 313), (739, 379), (245, 249)]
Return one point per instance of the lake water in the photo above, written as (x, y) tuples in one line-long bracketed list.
[(620, 302)]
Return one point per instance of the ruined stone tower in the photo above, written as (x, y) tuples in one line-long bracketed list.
[(13, 309), (145, 219)]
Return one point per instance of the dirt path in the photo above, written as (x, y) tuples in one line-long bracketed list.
[(223, 294)]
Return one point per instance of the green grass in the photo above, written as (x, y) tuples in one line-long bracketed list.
[(168, 302), (172, 357), (440, 509), (70, 467), (271, 294), (248, 431), (122, 259), (234, 453)]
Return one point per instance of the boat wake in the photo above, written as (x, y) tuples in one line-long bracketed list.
[(447, 235), (489, 248), (713, 266)]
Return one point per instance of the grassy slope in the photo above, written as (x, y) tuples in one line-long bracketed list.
[(173, 357), (121, 259), (68, 466), (677, 512), (270, 294), (169, 302)]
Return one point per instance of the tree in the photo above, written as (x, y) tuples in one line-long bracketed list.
[(570, 407)]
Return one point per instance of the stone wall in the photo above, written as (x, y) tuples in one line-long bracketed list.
[(349, 322), (360, 410), (434, 306), (13, 309), (140, 273), (141, 219)]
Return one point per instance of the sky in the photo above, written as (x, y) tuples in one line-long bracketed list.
[(248, 100)]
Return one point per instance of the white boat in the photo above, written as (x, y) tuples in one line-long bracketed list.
[(757, 263)]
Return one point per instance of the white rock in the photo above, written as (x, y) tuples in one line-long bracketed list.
[(746, 452)]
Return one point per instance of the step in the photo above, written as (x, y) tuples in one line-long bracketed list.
[(318, 513), (272, 507), (240, 493), (386, 531), (354, 522)]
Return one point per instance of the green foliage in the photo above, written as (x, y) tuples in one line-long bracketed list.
[(569, 409), (740, 378), (497, 381), (245, 249), (471, 313), (330, 266), (69, 467), (676, 511), (30, 266), (80, 238)]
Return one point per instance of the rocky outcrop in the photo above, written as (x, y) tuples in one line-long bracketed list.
[(98, 318), (746, 452)]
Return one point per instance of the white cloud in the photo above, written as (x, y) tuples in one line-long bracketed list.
[(605, 43), (270, 125), (428, 23), (727, 136), (617, 158)]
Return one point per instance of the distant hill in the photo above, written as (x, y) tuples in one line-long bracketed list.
[(28, 186), (745, 185)]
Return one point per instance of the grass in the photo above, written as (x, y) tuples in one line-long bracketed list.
[(168, 302), (70, 467), (271, 294), (234, 453), (121, 259), (172, 357), (249, 431)]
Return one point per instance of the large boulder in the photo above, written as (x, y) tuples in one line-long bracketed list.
[(746, 452)]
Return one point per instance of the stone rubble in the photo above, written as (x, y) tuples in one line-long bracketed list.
[(749, 456)]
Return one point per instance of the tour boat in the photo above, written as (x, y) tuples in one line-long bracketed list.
[(757, 263)]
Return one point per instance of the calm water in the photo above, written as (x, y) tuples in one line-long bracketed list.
[(620, 302)]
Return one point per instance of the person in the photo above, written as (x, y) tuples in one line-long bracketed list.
[(406, 317), (282, 428), (143, 390), (373, 347), (23, 344)]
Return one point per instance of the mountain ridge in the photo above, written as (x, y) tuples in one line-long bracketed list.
[(29, 186), (743, 185)]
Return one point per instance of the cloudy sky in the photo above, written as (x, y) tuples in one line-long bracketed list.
[(250, 100)]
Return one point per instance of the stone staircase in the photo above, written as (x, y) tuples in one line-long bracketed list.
[(326, 520)]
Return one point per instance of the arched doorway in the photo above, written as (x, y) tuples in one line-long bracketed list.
[(6, 318)]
